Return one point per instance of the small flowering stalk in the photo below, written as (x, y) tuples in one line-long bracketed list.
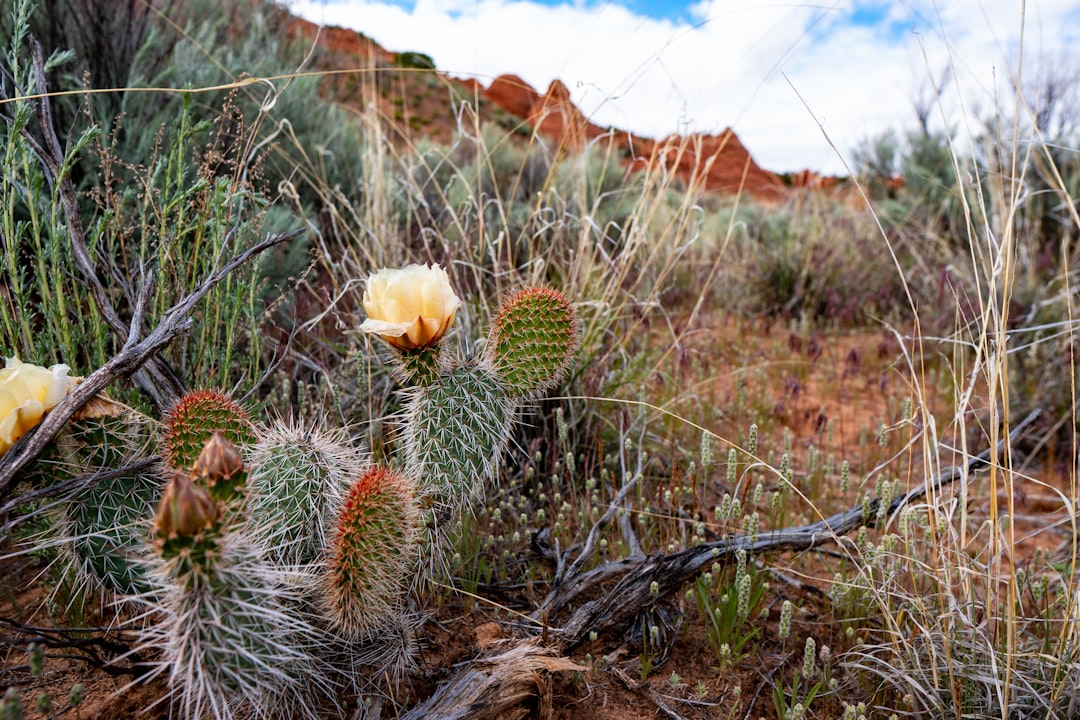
[(198, 507), (411, 309), (186, 516)]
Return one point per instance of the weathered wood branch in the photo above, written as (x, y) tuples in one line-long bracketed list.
[(159, 381), (633, 592), (131, 357), (477, 689), (98, 646), (497, 686)]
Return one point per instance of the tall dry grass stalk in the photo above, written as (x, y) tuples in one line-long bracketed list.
[(979, 607)]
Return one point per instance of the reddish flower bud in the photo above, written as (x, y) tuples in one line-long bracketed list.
[(185, 509), (219, 459)]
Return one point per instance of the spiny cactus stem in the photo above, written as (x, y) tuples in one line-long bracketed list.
[(420, 366), (191, 553)]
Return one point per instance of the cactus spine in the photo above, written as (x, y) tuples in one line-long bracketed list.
[(102, 527), (455, 430)]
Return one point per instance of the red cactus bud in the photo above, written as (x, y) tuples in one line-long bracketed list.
[(185, 509), (219, 459)]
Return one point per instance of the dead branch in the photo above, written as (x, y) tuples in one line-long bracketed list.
[(131, 357), (497, 687), (491, 686), (159, 381), (644, 689), (613, 611), (98, 646)]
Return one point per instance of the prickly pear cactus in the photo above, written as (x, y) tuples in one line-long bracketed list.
[(231, 645), (231, 648), (102, 527), (193, 420), (372, 552), (298, 480), (533, 340), (454, 433)]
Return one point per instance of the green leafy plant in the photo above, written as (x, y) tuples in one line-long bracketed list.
[(728, 608)]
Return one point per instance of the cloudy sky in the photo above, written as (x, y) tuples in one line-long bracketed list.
[(783, 74)]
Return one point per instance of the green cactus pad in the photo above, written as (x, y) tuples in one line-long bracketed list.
[(194, 418), (533, 340), (106, 522), (371, 553), (454, 433), (298, 477)]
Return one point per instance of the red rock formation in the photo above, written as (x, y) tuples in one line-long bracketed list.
[(717, 163), (810, 180), (710, 163), (713, 163), (512, 94), (337, 41)]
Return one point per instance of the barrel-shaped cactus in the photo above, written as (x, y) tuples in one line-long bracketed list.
[(371, 553)]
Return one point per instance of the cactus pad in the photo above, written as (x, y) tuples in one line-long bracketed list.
[(455, 431), (298, 479), (533, 340), (193, 420), (231, 648), (103, 526)]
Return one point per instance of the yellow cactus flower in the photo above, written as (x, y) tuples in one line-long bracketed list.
[(410, 307), (27, 392)]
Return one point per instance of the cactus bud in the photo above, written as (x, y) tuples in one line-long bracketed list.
[(185, 510), (219, 459)]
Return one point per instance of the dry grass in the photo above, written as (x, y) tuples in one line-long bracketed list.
[(704, 318)]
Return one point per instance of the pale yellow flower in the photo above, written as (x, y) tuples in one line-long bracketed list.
[(411, 307), (27, 392)]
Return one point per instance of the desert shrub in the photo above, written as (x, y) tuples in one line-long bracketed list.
[(414, 60), (166, 203), (818, 259)]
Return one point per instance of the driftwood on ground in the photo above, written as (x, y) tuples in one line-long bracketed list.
[(498, 686)]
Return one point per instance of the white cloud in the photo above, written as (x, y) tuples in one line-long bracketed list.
[(728, 68)]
